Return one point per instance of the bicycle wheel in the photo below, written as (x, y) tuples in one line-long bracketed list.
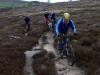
[(59, 49), (70, 55)]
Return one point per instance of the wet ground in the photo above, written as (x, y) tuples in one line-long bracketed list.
[(63, 68)]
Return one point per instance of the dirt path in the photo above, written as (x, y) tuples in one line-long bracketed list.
[(28, 70), (62, 66)]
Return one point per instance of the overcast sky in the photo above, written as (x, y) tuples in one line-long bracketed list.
[(52, 1)]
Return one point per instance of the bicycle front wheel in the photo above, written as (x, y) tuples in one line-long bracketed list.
[(70, 55)]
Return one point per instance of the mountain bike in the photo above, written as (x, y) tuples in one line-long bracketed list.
[(27, 28), (65, 48)]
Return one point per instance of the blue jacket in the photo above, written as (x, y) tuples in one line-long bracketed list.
[(53, 16), (62, 27), (27, 19)]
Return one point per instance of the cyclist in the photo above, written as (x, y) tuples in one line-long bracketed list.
[(53, 17), (46, 15), (63, 25), (27, 21)]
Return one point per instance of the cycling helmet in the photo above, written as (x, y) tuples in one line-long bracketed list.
[(66, 15)]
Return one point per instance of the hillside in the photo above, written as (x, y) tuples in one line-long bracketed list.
[(4, 5), (11, 0), (86, 18), (9, 4)]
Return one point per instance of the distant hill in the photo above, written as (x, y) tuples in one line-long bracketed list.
[(22, 1), (89, 0), (11, 0), (9, 4)]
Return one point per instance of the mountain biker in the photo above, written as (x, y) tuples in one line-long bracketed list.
[(46, 15), (64, 24), (27, 21), (53, 17)]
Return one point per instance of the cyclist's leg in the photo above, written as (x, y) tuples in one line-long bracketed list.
[(67, 46), (46, 21), (53, 24), (61, 47), (49, 24), (70, 52), (27, 29)]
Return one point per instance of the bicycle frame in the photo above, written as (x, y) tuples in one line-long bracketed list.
[(67, 48), (63, 42)]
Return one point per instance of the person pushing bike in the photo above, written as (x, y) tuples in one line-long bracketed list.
[(27, 21)]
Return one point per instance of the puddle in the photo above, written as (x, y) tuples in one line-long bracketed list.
[(28, 70)]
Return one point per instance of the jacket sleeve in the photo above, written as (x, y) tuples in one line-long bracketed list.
[(57, 26), (55, 16), (30, 19), (24, 19), (73, 26)]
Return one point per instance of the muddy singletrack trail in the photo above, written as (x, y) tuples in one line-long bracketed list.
[(63, 68), (47, 42)]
